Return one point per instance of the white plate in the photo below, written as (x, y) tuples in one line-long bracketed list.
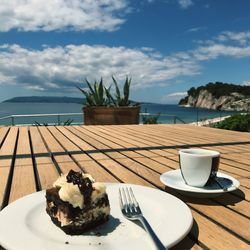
[(174, 180), (24, 224)]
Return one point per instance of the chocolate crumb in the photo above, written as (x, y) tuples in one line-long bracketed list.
[(66, 242)]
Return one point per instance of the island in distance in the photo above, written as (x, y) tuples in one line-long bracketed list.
[(55, 99), (47, 99)]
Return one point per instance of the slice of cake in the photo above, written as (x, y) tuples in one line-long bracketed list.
[(77, 203)]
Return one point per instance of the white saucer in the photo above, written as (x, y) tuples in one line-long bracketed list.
[(173, 179)]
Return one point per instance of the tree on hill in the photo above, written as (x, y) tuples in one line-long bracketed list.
[(218, 89)]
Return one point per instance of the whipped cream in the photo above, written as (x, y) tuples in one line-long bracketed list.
[(71, 193), (99, 190)]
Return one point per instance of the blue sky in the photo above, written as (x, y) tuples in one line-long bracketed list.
[(166, 46)]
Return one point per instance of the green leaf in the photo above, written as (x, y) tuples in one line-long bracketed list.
[(83, 91), (90, 87), (126, 91), (100, 91), (109, 96), (118, 94)]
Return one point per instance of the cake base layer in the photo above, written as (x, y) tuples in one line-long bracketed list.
[(78, 230)]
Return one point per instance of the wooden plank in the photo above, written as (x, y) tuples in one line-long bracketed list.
[(123, 174), (189, 137), (66, 164), (4, 173), (23, 146), (4, 166), (235, 203), (212, 236), (7, 149), (125, 141), (133, 134), (228, 169), (51, 142), (76, 130), (140, 170), (149, 162), (45, 166), (221, 215), (234, 163), (23, 181), (64, 141), (146, 161), (171, 164), (8, 146), (93, 168), (77, 140), (104, 141), (3, 132), (37, 142)]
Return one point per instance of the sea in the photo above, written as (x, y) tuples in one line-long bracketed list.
[(167, 113)]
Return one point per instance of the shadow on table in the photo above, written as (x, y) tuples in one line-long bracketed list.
[(230, 198), (106, 228), (190, 240)]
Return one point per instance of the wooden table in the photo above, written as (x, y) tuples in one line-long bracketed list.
[(31, 159)]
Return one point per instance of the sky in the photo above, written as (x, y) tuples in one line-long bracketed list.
[(47, 48)]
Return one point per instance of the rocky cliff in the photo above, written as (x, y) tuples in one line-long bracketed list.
[(213, 97)]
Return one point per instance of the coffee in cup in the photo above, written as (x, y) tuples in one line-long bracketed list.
[(198, 166)]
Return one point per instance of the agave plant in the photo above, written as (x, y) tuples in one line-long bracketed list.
[(96, 95), (121, 100)]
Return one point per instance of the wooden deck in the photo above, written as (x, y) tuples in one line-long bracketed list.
[(31, 158)]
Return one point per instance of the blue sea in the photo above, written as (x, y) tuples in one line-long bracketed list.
[(166, 111)]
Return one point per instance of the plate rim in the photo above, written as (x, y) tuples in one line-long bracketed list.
[(200, 190), (174, 242)]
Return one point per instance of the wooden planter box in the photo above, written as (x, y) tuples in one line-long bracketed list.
[(111, 115)]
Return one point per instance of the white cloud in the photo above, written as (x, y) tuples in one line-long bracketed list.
[(246, 83), (79, 15), (173, 97), (220, 45), (240, 37), (209, 52), (177, 94), (61, 68), (195, 29), (185, 3)]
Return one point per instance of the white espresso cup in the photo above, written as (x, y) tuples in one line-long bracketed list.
[(198, 166)]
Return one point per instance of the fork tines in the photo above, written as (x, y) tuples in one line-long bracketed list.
[(128, 200)]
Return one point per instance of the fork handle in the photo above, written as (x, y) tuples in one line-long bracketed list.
[(153, 236)]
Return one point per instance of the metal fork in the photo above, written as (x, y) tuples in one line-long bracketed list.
[(131, 210)]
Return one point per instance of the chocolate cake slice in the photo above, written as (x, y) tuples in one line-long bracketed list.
[(76, 203)]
